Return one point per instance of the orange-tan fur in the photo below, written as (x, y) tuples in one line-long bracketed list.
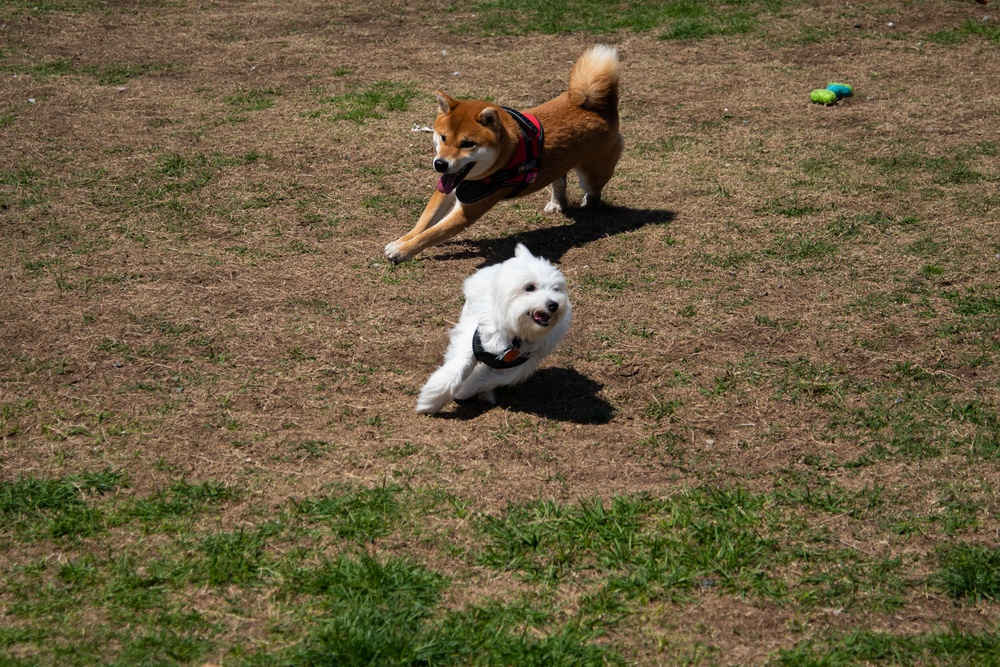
[(581, 135)]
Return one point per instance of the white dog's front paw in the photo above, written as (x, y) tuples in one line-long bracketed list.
[(553, 207)]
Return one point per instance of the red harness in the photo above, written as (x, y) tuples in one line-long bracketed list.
[(520, 172)]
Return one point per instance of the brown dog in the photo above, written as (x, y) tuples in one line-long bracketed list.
[(486, 153)]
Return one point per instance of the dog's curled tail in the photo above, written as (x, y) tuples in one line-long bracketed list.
[(593, 81)]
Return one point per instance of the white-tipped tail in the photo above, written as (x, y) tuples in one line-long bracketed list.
[(593, 81)]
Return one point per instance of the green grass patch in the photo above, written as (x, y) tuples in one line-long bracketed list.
[(969, 572), (642, 549), (945, 170), (169, 184), (252, 99), (800, 248), (388, 612), (606, 283), (866, 225), (911, 414), (180, 500), (47, 68), (118, 74), (71, 6), (975, 302), (393, 205), (114, 74), (356, 514), (353, 605), (682, 19), (18, 177), (233, 558), (801, 379), (864, 647), (972, 29), (35, 508), (128, 605), (790, 208), (373, 101)]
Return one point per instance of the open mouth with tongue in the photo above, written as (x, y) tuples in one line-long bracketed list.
[(541, 317), (449, 182)]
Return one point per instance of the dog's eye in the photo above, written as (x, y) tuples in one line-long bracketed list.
[(467, 144), (444, 139), (530, 287)]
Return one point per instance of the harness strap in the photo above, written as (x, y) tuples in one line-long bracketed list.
[(520, 172)]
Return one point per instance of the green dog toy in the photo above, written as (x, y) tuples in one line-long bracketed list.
[(823, 96)]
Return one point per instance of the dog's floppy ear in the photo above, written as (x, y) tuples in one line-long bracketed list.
[(445, 103), (490, 117)]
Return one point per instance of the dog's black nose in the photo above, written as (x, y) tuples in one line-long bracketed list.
[(440, 165), (552, 306)]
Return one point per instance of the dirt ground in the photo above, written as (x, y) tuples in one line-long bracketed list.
[(219, 328)]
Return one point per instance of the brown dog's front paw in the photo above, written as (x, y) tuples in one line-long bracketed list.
[(395, 252)]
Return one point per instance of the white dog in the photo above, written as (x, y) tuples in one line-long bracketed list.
[(515, 314)]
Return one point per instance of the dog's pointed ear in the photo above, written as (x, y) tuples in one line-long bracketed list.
[(522, 251), (445, 102), (490, 117)]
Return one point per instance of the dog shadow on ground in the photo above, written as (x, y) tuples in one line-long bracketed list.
[(559, 394), (554, 241)]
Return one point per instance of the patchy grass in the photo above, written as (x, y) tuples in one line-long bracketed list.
[(684, 20), (771, 434), (624, 556), (369, 102), (969, 572), (973, 28), (951, 646)]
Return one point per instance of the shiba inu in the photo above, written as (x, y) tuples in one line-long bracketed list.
[(486, 153), (515, 314)]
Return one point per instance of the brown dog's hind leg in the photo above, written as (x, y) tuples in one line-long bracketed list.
[(595, 174), (557, 203)]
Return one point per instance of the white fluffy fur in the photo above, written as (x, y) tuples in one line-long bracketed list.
[(500, 301)]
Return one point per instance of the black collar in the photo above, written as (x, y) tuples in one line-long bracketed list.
[(509, 358)]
